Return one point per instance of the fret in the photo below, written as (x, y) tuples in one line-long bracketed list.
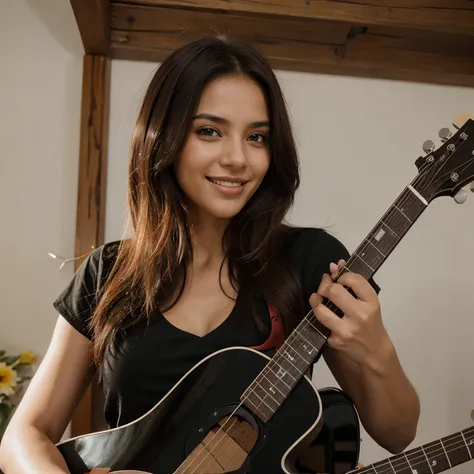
[(382, 467), (455, 450), (361, 259), (311, 324), (304, 345), (390, 230), (444, 449), (400, 464), (431, 458), (272, 379), (265, 397), (310, 337), (277, 372), (431, 463), (382, 239), (409, 205), (382, 255), (295, 359), (401, 211), (436, 456), (253, 402), (287, 362), (369, 252), (398, 221), (417, 461), (468, 436)]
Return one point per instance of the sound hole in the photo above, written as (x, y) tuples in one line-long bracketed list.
[(224, 448)]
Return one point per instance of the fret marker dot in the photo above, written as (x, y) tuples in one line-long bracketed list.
[(379, 235), (434, 463)]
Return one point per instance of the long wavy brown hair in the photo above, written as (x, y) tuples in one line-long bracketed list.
[(149, 273)]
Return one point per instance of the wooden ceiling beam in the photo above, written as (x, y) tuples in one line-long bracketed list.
[(448, 16), (151, 33), (93, 20)]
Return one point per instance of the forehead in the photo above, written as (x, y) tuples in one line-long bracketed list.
[(236, 98)]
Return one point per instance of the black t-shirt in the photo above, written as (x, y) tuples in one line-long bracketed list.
[(155, 354)]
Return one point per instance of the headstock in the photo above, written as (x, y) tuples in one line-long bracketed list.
[(446, 170)]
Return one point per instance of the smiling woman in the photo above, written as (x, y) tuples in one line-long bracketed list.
[(210, 265), (226, 155)]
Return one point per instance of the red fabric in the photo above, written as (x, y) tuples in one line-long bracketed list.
[(277, 332)]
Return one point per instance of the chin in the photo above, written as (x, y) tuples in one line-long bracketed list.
[(224, 212)]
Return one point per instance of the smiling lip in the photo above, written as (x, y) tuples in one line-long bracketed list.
[(227, 190)]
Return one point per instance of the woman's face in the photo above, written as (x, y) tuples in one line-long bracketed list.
[(226, 155)]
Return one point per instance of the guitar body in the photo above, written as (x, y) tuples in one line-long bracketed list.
[(336, 449), (177, 435)]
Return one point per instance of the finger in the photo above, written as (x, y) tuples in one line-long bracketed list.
[(340, 297), (328, 319), (315, 299), (359, 285), (335, 268), (326, 280)]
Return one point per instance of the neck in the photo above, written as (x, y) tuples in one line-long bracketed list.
[(433, 457), (206, 236)]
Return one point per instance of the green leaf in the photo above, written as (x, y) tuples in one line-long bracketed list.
[(2, 353)]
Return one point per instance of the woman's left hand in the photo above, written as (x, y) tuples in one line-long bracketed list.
[(360, 334)]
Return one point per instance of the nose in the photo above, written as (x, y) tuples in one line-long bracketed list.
[(234, 154)]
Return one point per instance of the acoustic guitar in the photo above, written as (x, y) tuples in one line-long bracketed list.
[(241, 411), (336, 448)]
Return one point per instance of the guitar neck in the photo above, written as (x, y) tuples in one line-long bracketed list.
[(268, 391), (434, 457)]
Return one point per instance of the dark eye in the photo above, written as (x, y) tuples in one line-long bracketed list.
[(208, 132), (258, 137)]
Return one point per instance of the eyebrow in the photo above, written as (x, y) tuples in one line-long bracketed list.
[(215, 118)]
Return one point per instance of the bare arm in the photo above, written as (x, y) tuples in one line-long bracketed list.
[(28, 446), (387, 403), (363, 360)]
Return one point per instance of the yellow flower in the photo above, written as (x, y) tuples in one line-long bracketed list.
[(7, 379), (27, 357)]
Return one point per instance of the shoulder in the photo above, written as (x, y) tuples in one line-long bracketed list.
[(316, 244), (97, 265), (312, 250), (79, 298)]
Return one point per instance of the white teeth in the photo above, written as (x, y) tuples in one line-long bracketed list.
[(226, 183)]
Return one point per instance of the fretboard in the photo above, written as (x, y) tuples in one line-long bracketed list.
[(431, 458), (273, 385)]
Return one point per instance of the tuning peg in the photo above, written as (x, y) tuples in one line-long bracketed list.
[(428, 146), (445, 134), (461, 196)]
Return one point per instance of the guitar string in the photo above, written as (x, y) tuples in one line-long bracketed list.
[(390, 465), (306, 319), (403, 199), (362, 247)]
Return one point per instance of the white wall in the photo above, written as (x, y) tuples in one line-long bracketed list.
[(358, 140), (40, 96)]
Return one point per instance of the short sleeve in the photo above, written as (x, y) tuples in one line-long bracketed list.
[(78, 300), (314, 249)]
